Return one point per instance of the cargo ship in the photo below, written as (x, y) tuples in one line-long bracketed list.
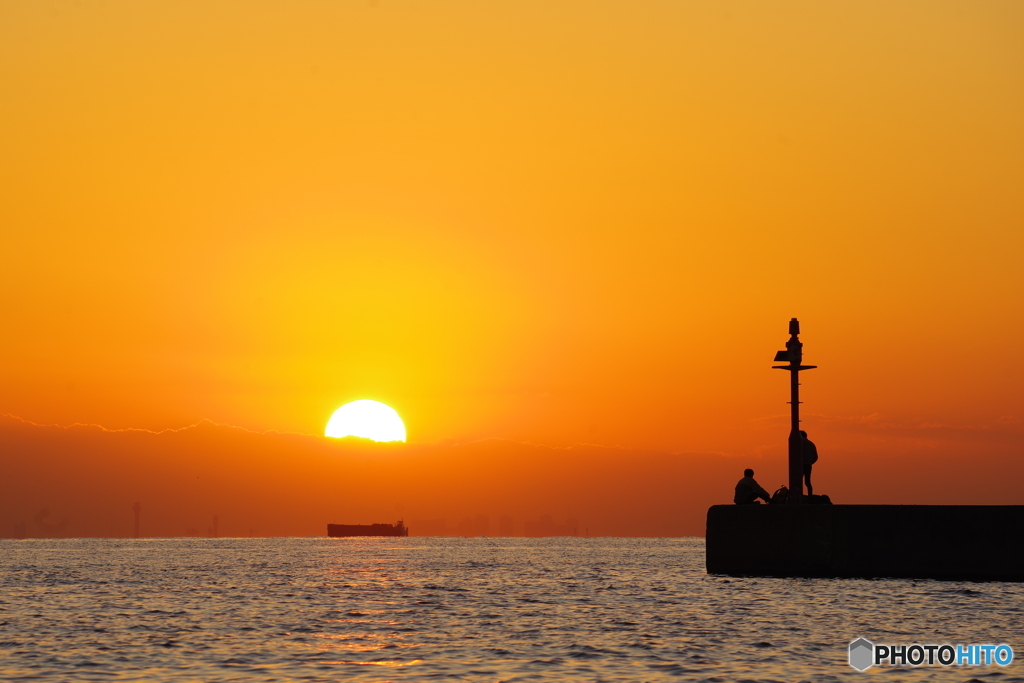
[(343, 530)]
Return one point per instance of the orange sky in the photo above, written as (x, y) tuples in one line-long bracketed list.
[(546, 223), (83, 481)]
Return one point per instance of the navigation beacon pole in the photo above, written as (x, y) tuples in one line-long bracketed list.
[(794, 353)]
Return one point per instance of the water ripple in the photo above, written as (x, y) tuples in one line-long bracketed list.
[(459, 609)]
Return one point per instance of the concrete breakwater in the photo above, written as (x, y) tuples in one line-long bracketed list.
[(949, 542)]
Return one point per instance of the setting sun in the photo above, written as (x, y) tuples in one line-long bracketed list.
[(368, 419)]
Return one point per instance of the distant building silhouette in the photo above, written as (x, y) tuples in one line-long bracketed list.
[(475, 526), (429, 527), (47, 529), (506, 526), (546, 526)]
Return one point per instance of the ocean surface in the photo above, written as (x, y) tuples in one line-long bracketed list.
[(480, 609)]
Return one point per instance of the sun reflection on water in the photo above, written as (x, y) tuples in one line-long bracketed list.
[(263, 610), (380, 663)]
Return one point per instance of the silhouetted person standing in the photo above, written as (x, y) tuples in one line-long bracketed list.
[(810, 452), (748, 490)]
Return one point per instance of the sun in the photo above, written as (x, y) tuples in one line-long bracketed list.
[(368, 419)]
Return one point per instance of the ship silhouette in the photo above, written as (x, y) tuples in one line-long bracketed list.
[(343, 530)]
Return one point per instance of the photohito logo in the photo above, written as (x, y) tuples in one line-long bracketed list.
[(865, 654)]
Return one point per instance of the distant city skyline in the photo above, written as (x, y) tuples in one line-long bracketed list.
[(74, 482)]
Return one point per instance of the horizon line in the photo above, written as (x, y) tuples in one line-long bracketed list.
[(443, 442)]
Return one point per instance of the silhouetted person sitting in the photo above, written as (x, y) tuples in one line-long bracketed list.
[(810, 452), (748, 490)]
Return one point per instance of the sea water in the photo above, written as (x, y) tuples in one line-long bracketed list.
[(481, 609)]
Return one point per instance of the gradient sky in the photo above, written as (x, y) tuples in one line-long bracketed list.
[(547, 222)]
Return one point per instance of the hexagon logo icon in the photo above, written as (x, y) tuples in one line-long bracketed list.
[(862, 652)]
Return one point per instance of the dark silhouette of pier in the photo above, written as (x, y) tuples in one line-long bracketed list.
[(946, 542)]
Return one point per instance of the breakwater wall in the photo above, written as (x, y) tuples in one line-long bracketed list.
[(949, 542)]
